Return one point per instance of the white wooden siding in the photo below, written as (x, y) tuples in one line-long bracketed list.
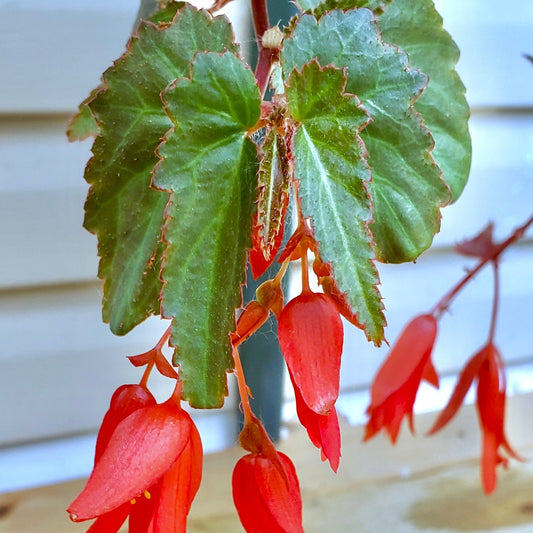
[(56, 352)]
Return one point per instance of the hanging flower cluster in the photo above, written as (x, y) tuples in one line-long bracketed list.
[(396, 384), (148, 459)]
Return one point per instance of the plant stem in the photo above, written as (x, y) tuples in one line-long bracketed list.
[(517, 234), (265, 55), (243, 388), (495, 301)]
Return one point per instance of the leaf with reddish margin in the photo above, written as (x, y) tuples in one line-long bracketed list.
[(310, 334), (332, 185), (125, 213), (266, 500), (141, 449), (407, 191), (209, 163)]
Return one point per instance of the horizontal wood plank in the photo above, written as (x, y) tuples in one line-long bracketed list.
[(419, 485)]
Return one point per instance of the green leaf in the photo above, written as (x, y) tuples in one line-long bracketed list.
[(83, 124), (329, 164), (319, 7), (210, 165), (416, 27), (125, 213), (273, 186), (406, 189)]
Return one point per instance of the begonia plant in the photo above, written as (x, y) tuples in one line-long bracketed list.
[(355, 120)]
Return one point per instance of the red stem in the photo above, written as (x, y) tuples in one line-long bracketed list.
[(517, 234), (495, 301), (264, 61)]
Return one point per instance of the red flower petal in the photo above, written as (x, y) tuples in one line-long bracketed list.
[(141, 449), (310, 334), (110, 522), (413, 346), (396, 384), (125, 400), (179, 486), (266, 501), (464, 382), (323, 431)]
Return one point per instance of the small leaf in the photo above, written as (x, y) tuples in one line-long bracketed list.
[(125, 213), (416, 27), (273, 192), (406, 189), (332, 185), (482, 245), (210, 165)]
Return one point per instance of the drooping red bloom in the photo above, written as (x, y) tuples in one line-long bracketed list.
[(267, 494), (310, 334), (396, 384), (323, 430), (148, 468), (487, 367)]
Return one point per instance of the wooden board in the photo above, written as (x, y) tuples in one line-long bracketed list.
[(421, 485)]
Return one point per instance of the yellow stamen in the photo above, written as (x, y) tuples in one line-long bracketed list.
[(147, 495), (133, 501)]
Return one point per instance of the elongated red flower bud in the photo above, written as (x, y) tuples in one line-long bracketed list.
[(266, 500), (311, 335), (251, 319)]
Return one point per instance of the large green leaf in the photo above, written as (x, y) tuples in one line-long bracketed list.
[(125, 213), (319, 7), (332, 173), (416, 27), (407, 190), (210, 165)]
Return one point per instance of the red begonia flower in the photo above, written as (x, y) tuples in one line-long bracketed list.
[(487, 367), (323, 430), (134, 475), (267, 500), (125, 400), (310, 334), (394, 389)]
